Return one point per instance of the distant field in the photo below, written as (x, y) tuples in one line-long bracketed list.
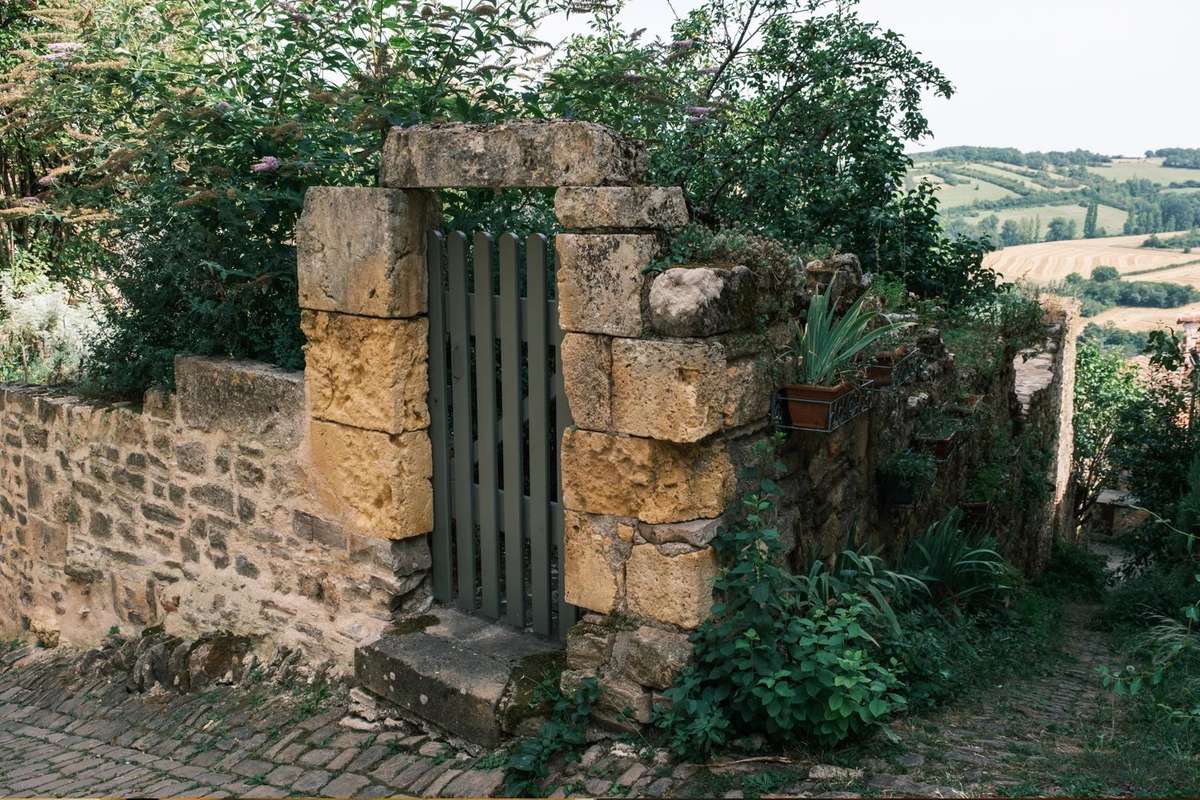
[(1047, 262), (963, 194), (1109, 218), (1000, 172), (1149, 168), (1144, 319)]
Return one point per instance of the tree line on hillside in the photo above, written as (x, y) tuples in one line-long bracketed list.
[(1105, 289), (1011, 155), (1185, 157)]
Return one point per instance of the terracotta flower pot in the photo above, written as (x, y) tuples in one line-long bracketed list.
[(810, 406), (939, 448), (879, 371)]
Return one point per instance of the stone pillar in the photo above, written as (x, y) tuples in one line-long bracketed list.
[(363, 295), (665, 385)]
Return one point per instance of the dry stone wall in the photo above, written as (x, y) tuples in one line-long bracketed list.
[(200, 511)]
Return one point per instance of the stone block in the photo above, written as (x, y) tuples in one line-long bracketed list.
[(669, 390), (620, 207), (653, 657), (587, 378), (245, 399), (697, 532), (588, 646), (601, 281), (623, 704), (702, 301), (523, 153), (367, 372), (749, 383), (595, 549), (377, 483), (671, 588), (653, 481), (362, 250)]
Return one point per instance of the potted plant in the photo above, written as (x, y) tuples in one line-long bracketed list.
[(937, 432), (985, 486), (823, 352), (966, 405), (879, 369), (905, 476)]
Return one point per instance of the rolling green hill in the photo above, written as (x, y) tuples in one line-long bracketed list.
[(1018, 198)]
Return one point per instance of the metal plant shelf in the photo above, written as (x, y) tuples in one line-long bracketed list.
[(903, 371), (841, 410)]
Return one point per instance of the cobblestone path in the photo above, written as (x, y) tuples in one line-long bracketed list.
[(66, 735)]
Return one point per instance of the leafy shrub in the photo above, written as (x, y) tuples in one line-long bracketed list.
[(1159, 591), (910, 468), (780, 654), (959, 573), (1073, 572), (43, 334)]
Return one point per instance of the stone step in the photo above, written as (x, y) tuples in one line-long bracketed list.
[(469, 676)]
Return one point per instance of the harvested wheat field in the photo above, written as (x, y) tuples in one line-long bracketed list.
[(1144, 319), (1047, 262)]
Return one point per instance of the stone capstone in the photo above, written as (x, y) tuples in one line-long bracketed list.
[(702, 301), (587, 379), (366, 372), (620, 207), (523, 153), (243, 398), (601, 281), (362, 250), (654, 481), (595, 549), (671, 588), (379, 483)]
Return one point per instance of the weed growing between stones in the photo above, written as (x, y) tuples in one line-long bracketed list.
[(527, 764)]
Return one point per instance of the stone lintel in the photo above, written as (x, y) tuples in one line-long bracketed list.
[(521, 153)]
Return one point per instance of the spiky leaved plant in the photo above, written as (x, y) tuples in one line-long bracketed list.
[(826, 344)]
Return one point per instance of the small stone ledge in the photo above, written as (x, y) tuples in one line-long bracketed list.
[(520, 154), (590, 208), (244, 398)]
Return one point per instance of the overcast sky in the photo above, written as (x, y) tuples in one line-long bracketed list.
[(1114, 76)]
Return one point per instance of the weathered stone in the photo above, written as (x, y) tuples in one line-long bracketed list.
[(595, 549), (588, 646), (379, 483), (620, 207), (675, 589), (243, 398), (653, 657), (702, 301), (698, 532), (362, 250), (587, 378), (523, 153), (654, 481), (215, 656), (601, 281), (365, 372), (668, 390), (749, 383), (622, 704)]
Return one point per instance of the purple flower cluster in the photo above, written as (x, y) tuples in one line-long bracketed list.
[(266, 164)]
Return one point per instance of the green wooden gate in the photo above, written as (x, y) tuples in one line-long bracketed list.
[(498, 412)]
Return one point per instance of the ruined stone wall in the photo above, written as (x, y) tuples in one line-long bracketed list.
[(200, 511)]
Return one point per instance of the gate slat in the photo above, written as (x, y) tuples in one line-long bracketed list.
[(486, 447), (442, 544), (539, 433), (514, 457), (462, 443), (562, 420)]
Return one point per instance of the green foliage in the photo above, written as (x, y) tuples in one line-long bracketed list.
[(911, 468), (938, 423), (959, 573), (782, 655), (1073, 572), (527, 764), (827, 345), (1105, 289), (1128, 343)]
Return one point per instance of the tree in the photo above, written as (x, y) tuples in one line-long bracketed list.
[(1060, 228), (1010, 234), (1089, 220), (1106, 388), (1104, 274)]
